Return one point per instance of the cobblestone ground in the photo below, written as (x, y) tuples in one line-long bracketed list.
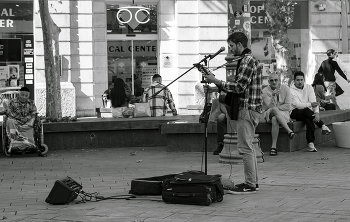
[(299, 186)]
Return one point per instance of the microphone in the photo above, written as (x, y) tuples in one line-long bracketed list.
[(217, 53)]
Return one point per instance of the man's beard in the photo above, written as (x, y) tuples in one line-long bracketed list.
[(299, 86), (237, 52)]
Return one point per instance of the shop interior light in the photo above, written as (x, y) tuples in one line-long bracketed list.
[(143, 64), (121, 64)]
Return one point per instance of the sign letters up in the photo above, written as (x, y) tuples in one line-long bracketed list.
[(6, 12)]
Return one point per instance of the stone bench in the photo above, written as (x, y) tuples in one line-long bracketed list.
[(109, 132), (106, 133), (284, 144), (191, 137)]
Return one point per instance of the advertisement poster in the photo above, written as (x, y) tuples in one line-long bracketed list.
[(13, 74), (262, 48), (239, 17), (4, 72)]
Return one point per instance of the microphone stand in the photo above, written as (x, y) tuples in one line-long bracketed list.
[(194, 66), (205, 60), (205, 123)]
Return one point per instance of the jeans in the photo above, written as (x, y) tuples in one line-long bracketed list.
[(306, 115), (221, 127), (247, 122)]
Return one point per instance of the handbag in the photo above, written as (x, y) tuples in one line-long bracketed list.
[(142, 110), (118, 112), (338, 90), (128, 113)]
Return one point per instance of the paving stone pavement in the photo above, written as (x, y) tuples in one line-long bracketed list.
[(298, 186)]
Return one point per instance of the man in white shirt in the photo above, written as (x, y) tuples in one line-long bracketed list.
[(306, 109)]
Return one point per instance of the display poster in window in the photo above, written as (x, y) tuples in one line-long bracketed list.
[(13, 75), (147, 73), (239, 17), (259, 19), (4, 72), (11, 50), (262, 48)]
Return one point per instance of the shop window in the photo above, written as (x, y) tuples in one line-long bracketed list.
[(133, 61), (298, 35), (126, 19), (16, 44)]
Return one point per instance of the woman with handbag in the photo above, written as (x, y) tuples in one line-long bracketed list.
[(320, 90), (328, 68)]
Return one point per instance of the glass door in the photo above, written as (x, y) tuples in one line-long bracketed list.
[(132, 34), (134, 61)]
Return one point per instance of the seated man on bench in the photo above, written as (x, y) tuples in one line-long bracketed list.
[(276, 101), (306, 109), (21, 115)]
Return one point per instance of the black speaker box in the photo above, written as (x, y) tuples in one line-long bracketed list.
[(64, 191)]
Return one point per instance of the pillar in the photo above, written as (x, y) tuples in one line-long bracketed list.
[(230, 153), (238, 21)]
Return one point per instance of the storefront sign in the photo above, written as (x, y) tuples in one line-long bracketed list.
[(29, 63), (133, 15), (123, 48), (6, 22), (259, 19), (117, 48), (28, 51), (16, 17)]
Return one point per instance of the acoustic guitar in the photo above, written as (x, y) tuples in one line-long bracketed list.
[(224, 98), (231, 100)]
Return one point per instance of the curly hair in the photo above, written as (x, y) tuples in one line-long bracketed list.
[(237, 37)]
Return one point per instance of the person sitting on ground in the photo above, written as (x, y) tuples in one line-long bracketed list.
[(276, 101), (158, 103), (320, 92), (305, 108), (21, 114)]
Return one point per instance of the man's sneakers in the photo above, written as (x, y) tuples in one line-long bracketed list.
[(325, 130), (243, 188), (219, 149), (312, 147)]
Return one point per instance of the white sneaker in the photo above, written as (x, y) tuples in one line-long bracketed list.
[(325, 130), (312, 147)]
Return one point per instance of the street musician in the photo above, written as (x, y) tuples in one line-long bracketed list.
[(246, 86)]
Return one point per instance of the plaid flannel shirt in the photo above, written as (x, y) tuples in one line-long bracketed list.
[(22, 112), (158, 104), (248, 83)]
